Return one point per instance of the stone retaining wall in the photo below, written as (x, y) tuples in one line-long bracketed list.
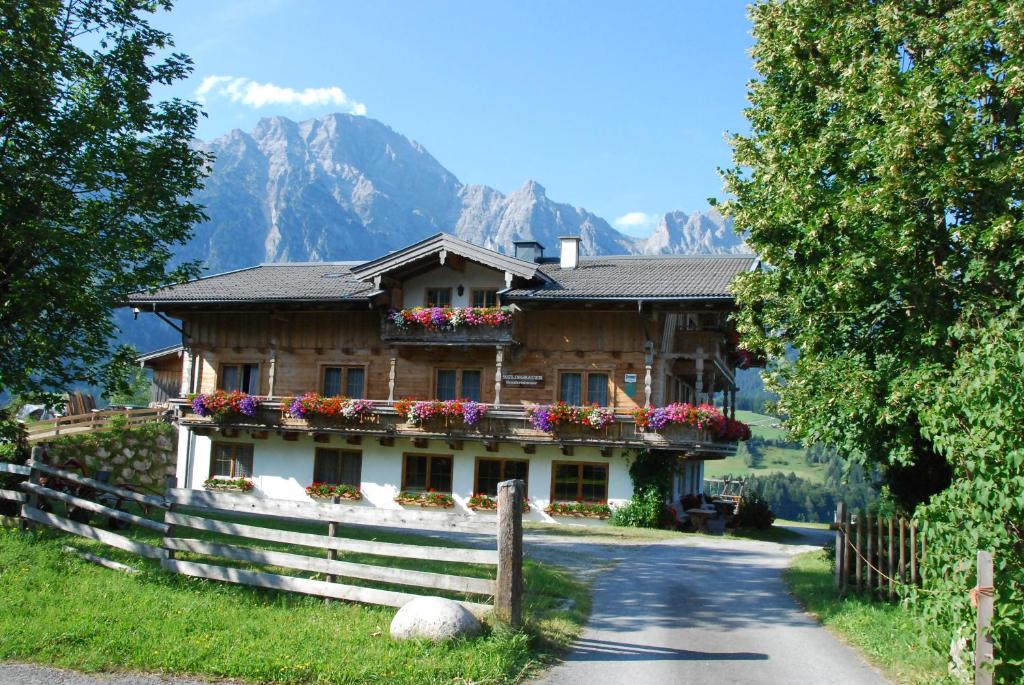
[(142, 456)]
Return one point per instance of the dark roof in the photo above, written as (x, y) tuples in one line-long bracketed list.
[(155, 355), (639, 277), (449, 243), (304, 282)]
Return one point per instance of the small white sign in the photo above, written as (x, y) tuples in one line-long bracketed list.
[(631, 378)]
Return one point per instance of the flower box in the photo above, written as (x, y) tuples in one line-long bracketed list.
[(326, 492), (489, 505), (228, 485), (226, 406), (437, 500), (567, 419), (594, 510), (702, 417), (440, 414), (329, 411)]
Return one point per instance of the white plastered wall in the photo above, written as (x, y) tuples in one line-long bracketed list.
[(473, 276), (282, 469)]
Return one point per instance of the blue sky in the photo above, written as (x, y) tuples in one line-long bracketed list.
[(618, 107)]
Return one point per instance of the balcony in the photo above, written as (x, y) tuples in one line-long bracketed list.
[(418, 335), (502, 423)]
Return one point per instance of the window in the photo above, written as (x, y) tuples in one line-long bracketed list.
[(349, 381), (427, 472), (579, 482), (338, 467), (231, 460), (485, 297), (240, 377), (571, 385), (439, 297), (490, 472), (458, 384)]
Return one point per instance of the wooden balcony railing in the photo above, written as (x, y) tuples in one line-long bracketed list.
[(502, 423), (468, 335)]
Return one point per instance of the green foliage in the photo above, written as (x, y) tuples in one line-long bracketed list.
[(883, 182), (94, 180), (646, 509), (652, 470), (131, 386), (754, 512)]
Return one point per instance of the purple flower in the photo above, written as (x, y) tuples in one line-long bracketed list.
[(472, 412), (659, 419), (540, 418), (297, 409), (199, 405), (249, 405)]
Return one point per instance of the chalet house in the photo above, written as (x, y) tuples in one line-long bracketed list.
[(512, 337)]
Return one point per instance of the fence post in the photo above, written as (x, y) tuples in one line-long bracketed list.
[(332, 531), (870, 555), (903, 550), (984, 656), (508, 596), (847, 551), (840, 557), (892, 559), (913, 552), (857, 549), (172, 482), (881, 556)]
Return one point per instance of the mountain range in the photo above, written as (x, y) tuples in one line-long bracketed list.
[(343, 187)]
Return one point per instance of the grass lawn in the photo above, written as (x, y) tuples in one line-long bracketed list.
[(886, 634), (60, 610)]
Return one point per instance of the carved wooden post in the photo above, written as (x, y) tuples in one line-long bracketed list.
[(508, 598), (499, 359), (984, 656), (391, 379), (698, 365), (272, 375)]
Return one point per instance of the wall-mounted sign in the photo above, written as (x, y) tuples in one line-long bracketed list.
[(523, 380), (630, 378)]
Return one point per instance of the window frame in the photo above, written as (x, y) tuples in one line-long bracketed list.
[(345, 368), (609, 374), (503, 461), (579, 484), (240, 364), (340, 452), (430, 459), (426, 296), (485, 291), (234, 459), (459, 395)]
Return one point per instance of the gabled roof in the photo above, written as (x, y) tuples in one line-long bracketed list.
[(447, 243), (284, 282), (639, 278), (171, 351)]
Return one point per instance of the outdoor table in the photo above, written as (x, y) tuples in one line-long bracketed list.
[(700, 518)]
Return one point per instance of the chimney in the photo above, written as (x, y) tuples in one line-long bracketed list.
[(528, 250), (570, 252)]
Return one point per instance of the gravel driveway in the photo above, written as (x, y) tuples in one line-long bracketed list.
[(705, 610)]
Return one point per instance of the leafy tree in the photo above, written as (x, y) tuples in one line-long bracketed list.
[(882, 181), (94, 181)]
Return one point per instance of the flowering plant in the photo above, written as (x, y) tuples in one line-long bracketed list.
[(326, 491), (590, 509), (222, 404), (482, 502), (449, 318), (430, 498), (232, 484), (419, 412), (702, 417), (546, 417), (312, 405)]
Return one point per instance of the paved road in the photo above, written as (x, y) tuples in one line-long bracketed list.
[(704, 611)]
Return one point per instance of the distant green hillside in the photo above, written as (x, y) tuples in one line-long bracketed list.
[(775, 460)]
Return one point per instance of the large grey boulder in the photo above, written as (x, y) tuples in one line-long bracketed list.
[(434, 618)]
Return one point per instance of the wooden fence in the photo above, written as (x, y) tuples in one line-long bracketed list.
[(268, 521), (93, 421), (875, 554)]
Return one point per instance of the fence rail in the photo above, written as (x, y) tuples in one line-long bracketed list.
[(92, 421), (83, 498)]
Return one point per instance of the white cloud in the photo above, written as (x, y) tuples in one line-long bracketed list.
[(254, 94), (637, 224)]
